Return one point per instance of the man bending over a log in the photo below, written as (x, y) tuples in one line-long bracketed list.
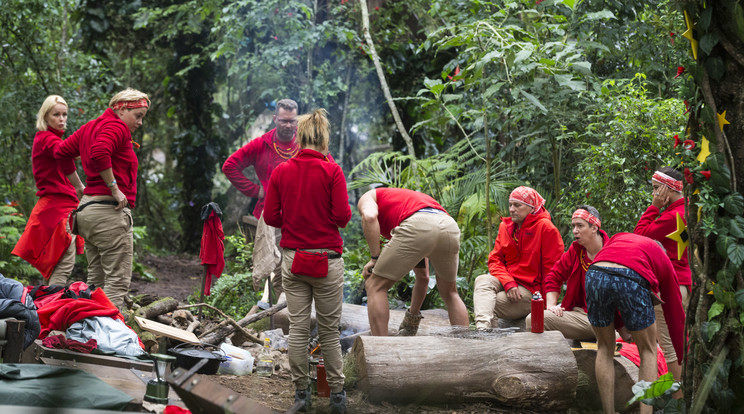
[(626, 277), (527, 246), (570, 316), (418, 228)]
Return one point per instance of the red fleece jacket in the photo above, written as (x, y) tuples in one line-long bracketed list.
[(259, 153), (103, 143), (524, 256), (307, 198)]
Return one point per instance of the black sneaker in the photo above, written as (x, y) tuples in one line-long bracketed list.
[(305, 397), (338, 402)]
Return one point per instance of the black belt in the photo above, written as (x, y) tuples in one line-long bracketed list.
[(610, 270), (331, 255), (109, 202)]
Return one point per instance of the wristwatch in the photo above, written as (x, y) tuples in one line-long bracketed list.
[(111, 184)]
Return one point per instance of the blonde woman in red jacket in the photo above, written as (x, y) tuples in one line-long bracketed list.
[(104, 216), (46, 242), (307, 199)]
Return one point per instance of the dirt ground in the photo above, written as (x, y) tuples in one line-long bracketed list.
[(180, 276)]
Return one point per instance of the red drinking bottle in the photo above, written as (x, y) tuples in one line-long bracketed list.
[(538, 305), (323, 389)]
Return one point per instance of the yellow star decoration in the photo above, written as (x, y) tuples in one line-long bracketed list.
[(680, 236), (722, 120), (688, 34), (704, 150)]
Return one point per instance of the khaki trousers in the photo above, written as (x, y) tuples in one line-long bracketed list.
[(109, 247), (489, 300), (64, 267), (572, 324), (328, 293), (267, 257), (662, 331)]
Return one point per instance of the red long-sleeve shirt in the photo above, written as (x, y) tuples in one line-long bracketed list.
[(307, 198), (259, 153), (571, 270), (397, 204), (525, 256), (657, 225), (646, 258), (103, 143), (50, 180)]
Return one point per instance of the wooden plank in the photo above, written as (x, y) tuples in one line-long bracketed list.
[(120, 378), (165, 330), (40, 352)]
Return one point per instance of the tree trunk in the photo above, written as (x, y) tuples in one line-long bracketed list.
[(525, 370), (354, 319), (153, 310)]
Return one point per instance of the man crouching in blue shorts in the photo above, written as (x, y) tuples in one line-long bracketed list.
[(627, 276)]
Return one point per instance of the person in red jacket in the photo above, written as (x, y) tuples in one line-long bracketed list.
[(307, 198), (46, 242), (418, 227), (670, 229), (527, 246), (104, 216), (570, 316), (265, 153), (627, 276)]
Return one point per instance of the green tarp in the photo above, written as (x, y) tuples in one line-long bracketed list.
[(48, 386)]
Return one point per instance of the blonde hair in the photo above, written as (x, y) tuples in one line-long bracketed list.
[(128, 95), (46, 107), (313, 129)]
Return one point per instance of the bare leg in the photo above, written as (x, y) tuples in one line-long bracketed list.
[(378, 308), (420, 288), (604, 368), (458, 313), (646, 341)]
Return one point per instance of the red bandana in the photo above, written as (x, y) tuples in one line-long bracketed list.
[(661, 178), (142, 103), (527, 196), (587, 216)]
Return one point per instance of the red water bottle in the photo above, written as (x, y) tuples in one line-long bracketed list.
[(538, 317), (323, 389)]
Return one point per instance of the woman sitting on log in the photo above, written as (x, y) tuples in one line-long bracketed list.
[(307, 199)]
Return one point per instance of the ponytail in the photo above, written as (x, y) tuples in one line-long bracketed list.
[(313, 129)]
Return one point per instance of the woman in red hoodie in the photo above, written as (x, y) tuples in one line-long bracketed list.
[(307, 199), (46, 242), (104, 218)]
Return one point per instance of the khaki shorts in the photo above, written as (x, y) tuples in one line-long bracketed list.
[(662, 331), (423, 234)]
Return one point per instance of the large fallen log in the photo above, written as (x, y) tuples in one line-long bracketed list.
[(587, 393), (525, 370), (354, 319)]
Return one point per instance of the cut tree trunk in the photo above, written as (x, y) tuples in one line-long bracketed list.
[(354, 319), (525, 370), (587, 393)]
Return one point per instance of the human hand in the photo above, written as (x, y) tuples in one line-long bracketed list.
[(661, 197), (556, 309), (367, 271), (625, 335), (514, 295), (261, 193), (120, 198), (80, 192)]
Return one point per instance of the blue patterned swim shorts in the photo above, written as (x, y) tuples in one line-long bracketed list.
[(627, 293)]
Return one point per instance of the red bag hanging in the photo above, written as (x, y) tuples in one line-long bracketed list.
[(313, 264)]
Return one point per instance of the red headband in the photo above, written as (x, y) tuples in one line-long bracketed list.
[(585, 215), (527, 196), (661, 178), (141, 103)]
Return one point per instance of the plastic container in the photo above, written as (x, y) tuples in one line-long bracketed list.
[(238, 361), (323, 389), (538, 315)]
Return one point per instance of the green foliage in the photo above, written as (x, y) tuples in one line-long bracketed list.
[(12, 224), (658, 393)]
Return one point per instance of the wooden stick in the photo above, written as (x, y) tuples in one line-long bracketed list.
[(230, 320)]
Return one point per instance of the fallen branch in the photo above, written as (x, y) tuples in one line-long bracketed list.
[(230, 320), (223, 331)]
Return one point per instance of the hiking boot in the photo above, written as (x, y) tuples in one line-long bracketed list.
[(338, 402), (410, 324), (306, 397)]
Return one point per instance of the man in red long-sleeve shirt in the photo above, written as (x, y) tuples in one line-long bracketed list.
[(527, 246), (627, 276), (265, 153)]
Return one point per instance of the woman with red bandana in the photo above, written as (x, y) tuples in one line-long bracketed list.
[(46, 242), (569, 317), (667, 195), (526, 247), (104, 217)]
